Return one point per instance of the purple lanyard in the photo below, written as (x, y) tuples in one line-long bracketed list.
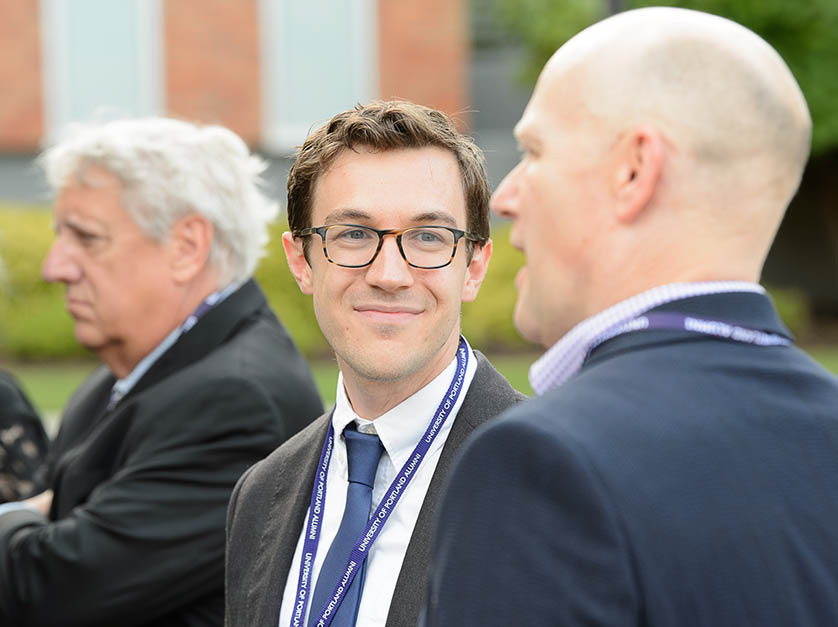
[(208, 303), (666, 321), (382, 512)]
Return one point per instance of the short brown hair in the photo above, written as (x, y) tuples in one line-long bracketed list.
[(381, 126)]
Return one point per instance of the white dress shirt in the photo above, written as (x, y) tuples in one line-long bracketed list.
[(400, 429)]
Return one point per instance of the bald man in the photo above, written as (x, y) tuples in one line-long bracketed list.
[(680, 465)]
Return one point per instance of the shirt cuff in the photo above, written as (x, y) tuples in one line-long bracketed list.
[(5, 508)]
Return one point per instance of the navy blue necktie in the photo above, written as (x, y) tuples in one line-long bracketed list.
[(363, 452)]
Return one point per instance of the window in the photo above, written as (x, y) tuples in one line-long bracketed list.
[(101, 58), (318, 58)]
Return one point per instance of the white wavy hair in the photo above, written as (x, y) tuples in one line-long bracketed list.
[(169, 168)]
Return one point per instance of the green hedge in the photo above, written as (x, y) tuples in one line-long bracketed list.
[(35, 325), (33, 321)]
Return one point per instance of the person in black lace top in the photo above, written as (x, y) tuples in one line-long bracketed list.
[(23, 442)]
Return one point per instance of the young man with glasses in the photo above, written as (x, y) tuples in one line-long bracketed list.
[(388, 209)]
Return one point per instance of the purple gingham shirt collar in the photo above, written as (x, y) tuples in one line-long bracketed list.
[(564, 359)]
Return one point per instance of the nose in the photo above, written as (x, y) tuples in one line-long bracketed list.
[(389, 270), (505, 199), (59, 264)]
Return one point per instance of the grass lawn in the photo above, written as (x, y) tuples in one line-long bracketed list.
[(49, 385)]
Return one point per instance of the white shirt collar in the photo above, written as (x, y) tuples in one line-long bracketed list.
[(401, 427)]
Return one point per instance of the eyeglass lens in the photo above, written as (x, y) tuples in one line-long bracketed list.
[(425, 247)]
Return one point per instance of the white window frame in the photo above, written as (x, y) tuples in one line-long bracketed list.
[(56, 73), (278, 137)]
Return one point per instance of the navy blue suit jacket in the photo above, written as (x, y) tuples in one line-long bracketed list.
[(678, 480)]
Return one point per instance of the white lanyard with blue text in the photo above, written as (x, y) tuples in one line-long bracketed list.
[(382, 512)]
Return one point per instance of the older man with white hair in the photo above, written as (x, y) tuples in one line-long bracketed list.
[(680, 466), (159, 225)]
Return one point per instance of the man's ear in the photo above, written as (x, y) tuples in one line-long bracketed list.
[(476, 270), (637, 171), (297, 262), (190, 241)]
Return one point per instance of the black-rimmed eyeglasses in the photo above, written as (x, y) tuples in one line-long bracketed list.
[(356, 246)]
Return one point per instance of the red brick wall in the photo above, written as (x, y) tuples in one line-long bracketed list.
[(212, 63), (21, 109), (423, 52)]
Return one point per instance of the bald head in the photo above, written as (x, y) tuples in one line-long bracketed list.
[(719, 92), (660, 145)]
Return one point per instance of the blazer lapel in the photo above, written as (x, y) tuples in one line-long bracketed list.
[(289, 504), (488, 395), (218, 324), (84, 411), (85, 408)]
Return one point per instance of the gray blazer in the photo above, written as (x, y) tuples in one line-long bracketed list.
[(268, 507)]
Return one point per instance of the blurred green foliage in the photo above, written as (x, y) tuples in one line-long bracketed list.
[(292, 306), (487, 322), (35, 325), (795, 310), (805, 33), (33, 321)]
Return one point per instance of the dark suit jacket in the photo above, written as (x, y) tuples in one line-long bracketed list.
[(136, 531), (268, 508), (678, 480)]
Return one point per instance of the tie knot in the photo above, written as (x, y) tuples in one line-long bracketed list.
[(363, 450)]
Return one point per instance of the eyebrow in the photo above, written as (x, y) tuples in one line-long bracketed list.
[(79, 226), (336, 217), (426, 217), (436, 217)]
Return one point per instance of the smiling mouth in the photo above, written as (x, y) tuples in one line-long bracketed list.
[(381, 313), (388, 309)]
